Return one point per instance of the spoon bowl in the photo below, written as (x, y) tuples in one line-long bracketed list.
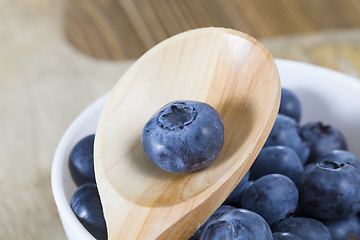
[(225, 68)]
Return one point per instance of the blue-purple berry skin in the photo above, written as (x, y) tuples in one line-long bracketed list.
[(220, 211), (237, 224), (274, 197), (307, 170), (287, 132), (322, 138), (183, 136), (290, 104), (340, 156), (234, 199), (330, 190), (246, 187), (285, 236), (299, 212), (81, 161), (277, 159), (305, 228), (86, 205), (344, 228)]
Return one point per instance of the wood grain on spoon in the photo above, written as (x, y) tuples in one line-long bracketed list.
[(227, 69)]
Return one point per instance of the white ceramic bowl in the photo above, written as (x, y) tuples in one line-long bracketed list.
[(325, 95)]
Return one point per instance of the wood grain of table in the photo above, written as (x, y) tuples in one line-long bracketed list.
[(125, 29), (46, 81)]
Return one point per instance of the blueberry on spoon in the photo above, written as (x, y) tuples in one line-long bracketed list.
[(183, 136)]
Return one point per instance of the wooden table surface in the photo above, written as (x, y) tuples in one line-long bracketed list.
[(123, 29), (57, 57)]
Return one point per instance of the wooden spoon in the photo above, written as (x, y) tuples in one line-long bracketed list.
[(227, 69)]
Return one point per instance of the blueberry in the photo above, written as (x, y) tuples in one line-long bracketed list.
[(246, 187), (290, 104), (81, 161), (286, 132), (330, 190), (238, 196), (87, 207), (307, 170), (340, 156), (234, 199), (183, 136), (344, 228), (237, 224), (322, 139), (285, 236), (305, 228), (277, 159), (274, 197), (220, 211), (299, 212)]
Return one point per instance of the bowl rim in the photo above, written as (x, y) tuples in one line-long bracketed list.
[(336, 76), (58, 164)]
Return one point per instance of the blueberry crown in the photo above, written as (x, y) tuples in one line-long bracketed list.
[(177, 115)]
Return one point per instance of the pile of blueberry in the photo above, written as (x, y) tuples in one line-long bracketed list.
[(304, 184), (85, 201)]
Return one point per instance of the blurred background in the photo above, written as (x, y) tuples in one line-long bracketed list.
[(56, 57), (125, 29)]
